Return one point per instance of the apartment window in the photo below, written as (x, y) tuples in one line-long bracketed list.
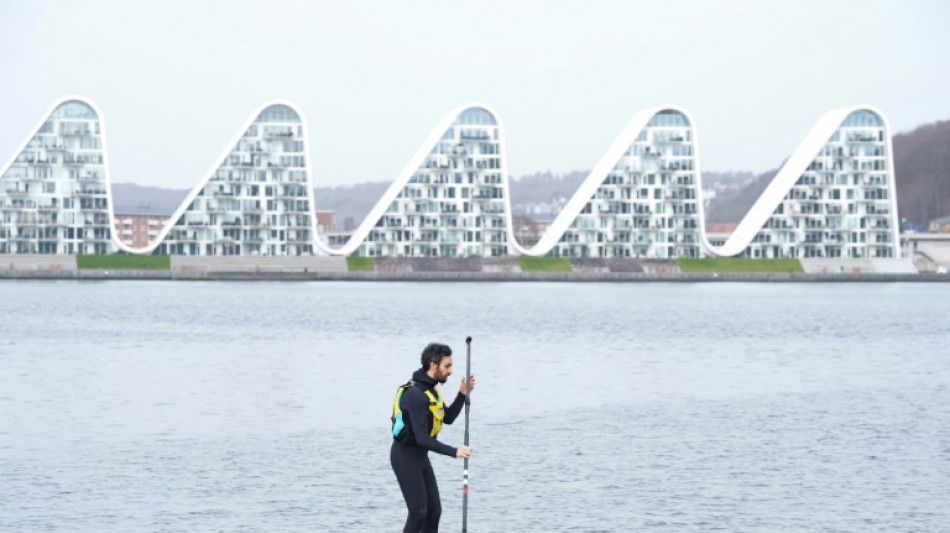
[(476, 116), (862, 118), (278, 113)]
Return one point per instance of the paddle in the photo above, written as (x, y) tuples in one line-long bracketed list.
[(468, 386)]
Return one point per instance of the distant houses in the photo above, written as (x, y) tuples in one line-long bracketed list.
[(939, 225)]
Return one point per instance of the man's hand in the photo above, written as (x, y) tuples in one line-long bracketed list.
[(465, 388), (463, 452)]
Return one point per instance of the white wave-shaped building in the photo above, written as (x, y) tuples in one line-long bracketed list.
[(642, 199), (55, 194), (833, 198), (256, 200), (451, 199)]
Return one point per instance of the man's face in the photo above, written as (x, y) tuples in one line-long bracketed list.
[(444, 370)]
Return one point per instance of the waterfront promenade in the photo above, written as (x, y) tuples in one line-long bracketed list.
[(443, 269)]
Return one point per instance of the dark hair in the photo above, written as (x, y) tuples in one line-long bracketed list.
[(434, 353)]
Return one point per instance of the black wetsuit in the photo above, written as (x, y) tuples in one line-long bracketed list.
[(410, 460)]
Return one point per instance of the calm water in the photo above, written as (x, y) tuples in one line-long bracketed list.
[(191, 406)]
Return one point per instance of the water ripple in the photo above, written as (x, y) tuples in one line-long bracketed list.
[(142, 406)]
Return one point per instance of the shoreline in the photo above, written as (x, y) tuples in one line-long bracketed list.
[(506, 277)]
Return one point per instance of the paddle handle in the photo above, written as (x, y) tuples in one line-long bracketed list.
[(468, 394)]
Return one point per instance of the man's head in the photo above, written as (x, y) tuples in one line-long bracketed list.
[(437, 361)]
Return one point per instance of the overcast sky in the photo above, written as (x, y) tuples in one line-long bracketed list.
[(175, 80)]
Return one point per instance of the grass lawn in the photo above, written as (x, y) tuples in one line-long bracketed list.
[(124, 262), (739, 264), (544, 264), (360, 264)]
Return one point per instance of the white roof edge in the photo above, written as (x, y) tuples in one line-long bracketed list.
[(359, 236), (106, 172), (36, 129), (170, 223), (704, 246), (308, 168), (793, 168), (604, 166), (891, 178), (750, 225)]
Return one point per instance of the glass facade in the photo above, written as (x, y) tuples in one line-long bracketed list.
[(648, 205), (454, 205), (257, 202), (841, 206), (53, 196)]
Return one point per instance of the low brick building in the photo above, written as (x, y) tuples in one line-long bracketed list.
[(138, 230)]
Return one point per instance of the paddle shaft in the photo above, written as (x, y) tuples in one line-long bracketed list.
[(468, 394)]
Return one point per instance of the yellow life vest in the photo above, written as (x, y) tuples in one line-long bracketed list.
[(401, 431)]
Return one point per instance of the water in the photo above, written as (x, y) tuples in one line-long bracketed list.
[(194, 406)]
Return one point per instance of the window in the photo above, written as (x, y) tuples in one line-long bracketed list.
[(862, 117), (668, 117), (278, 113), (476, 116)]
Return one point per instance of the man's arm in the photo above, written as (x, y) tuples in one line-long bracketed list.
[(417, 404), (452, 411)]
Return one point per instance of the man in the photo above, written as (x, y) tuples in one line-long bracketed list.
[(418, 415)]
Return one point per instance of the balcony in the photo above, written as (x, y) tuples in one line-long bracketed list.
[(474, 135), (862, 137), (278, 134)]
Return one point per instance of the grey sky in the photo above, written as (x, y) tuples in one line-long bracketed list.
[(176, 79)]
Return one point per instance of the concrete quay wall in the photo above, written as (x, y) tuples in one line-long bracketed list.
[(627, 277), (445, 269), (510, 265), (630, 277)]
